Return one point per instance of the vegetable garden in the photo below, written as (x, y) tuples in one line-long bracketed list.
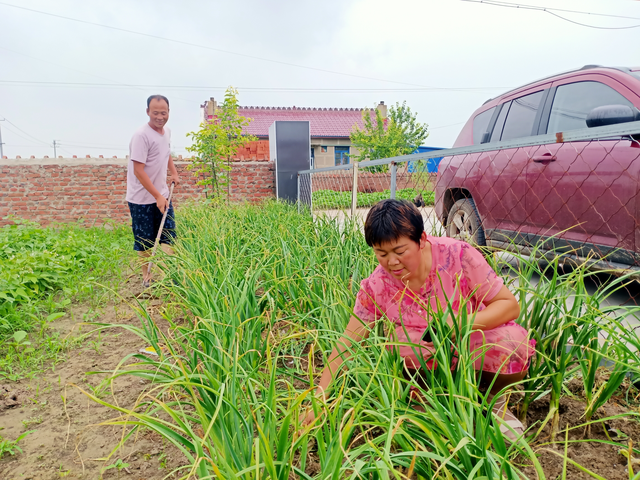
[(254, 300), (265, 293), (331, 199)]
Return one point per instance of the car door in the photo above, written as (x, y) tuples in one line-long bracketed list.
[(501, 174), (583, 194)]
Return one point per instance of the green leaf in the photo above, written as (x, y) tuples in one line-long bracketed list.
[(19, 336), (54, 316)]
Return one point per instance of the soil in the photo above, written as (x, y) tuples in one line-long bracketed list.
[(602, 459), (67, 438)]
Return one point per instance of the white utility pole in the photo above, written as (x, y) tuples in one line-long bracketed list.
[(55, 153), (1, 150)]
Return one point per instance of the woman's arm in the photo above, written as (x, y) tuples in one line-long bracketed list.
[(356, 331), (498, 311)]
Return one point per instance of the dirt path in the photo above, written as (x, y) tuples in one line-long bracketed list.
[(66, 440)]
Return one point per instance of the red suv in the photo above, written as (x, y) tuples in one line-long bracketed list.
[(582, 198)]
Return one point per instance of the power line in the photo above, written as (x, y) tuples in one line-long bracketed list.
[(550, 10), (29, 83), (93, 145), (65, 150), (102, 145), (590, 26), (63, 66), (1, 142), (499, 3), (22, 136), (26, 146), (96, 147), (106, 147), (190, 44), (27, 134), (115, 84), (447, 126)]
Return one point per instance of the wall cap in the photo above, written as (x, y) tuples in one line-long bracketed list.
[(64, 162), (71, 162)]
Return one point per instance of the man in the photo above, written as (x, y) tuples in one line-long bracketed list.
[(147, 190)]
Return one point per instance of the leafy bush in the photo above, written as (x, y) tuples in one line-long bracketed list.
[(40, 263)]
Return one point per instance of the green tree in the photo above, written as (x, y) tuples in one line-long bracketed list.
[(401, 135), (217, 143)]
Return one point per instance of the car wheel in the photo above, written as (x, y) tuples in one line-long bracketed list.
[(463, 222)]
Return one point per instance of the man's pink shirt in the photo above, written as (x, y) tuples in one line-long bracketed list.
[(153, 149)]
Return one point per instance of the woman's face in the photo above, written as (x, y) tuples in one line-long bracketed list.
[(402, 258)]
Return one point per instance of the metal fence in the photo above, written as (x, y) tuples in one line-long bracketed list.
[(576, 192)]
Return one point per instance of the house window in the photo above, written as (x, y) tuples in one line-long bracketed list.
[(342, 155), (323, 149)]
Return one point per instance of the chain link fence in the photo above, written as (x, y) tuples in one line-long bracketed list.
[(575, 194), (331, 191)]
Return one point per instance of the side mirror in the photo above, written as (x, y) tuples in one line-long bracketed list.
[(486, 136), (611, 115)]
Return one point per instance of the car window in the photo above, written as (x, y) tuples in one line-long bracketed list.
[(480, 124), (497, 129), (521, 117), (573, 102)]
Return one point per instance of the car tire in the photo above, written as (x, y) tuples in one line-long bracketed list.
[(463, 223)]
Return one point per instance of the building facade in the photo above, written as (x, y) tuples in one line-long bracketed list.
[(330, 127)]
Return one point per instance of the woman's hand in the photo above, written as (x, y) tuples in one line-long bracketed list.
[(355, 331), (502, 308), (309, 418)]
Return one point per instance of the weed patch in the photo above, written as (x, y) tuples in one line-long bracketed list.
[(42, 270)]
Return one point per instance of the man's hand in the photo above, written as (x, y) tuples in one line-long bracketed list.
[(173, 173), (162, 203)]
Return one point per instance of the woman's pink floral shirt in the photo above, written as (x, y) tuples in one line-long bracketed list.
[(458, 271)]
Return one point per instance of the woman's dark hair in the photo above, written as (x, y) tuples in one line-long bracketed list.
[(157, 97), (389, 220)]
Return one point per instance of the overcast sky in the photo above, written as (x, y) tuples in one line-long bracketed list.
[(444, 57)]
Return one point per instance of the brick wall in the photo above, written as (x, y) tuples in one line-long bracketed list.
[(254, 151), (93, 189)]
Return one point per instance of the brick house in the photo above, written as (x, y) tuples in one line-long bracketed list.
[(330, 128)]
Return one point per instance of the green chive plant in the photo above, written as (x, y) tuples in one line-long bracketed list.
[(264, 293), (575, 331)]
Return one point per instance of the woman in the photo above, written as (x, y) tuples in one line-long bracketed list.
[(416, 275)]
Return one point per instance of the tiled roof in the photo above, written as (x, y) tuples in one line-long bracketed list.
[(324, 122)]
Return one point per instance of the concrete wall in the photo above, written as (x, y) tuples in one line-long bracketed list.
[(93, 189)]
